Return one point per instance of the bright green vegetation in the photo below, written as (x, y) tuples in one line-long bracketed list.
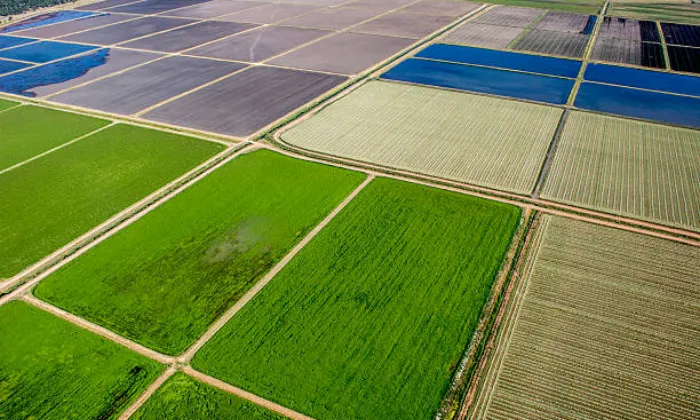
[(591, 7), (681, 12), (51, 369), (7, 104), (629, 168), (30, 130), (469, 138), (183, 398), (371, 318), (607, 328), (166, 278), (52, 200)]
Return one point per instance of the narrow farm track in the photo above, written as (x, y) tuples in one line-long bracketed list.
[(170, 371)]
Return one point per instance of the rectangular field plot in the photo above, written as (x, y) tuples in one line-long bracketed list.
[(66, 28), (606, 328), (47, 19), (635, 103), (685, 35), (468, 138), (52, 200), (13, 41), (269, 13), (44, 51), (519, 17), (182, 397), (10, 66), (404, 25), (212, 9), (646, 54), (52, 369), (553, 43), (567, 22), (630, 168), (331, 19), (643, 79), (150, 7), (482, 35), (441, 8), (684, 59), (344, 53), (376, 310), (147, 85), (200, 251), (532, 87), (502, 59), (189, 36), (106, 4), (259, 44), (246, 102), (30, 130), (633, 30), (125, 31), (54, 77)]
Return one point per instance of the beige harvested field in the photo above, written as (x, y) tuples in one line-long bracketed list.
[(607, 328), (629, 168), (469, 138)]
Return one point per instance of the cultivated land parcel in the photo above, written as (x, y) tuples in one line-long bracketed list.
[(501, 220)]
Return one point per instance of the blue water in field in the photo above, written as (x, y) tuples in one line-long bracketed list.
[(590, 25), (483, 80), (13, 41), (502, 59), (8, 66), (45, 51), (644, 79), (22, 83), (48, 19), (680, 110)]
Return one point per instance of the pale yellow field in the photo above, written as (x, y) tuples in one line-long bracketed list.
[(638, 169), (458, 136), (607, 328)]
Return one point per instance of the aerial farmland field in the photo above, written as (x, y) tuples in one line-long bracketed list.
[(350, 209), (50, 201), (435, 132), (232, 227), (365, 312), (607, 327), (55, 370)]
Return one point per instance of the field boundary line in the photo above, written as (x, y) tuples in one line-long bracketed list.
[(12, 107), (97, 329), (664, 47), (469, 361), (241, 393), (544, 170), (477, 399), (49, 264), (145, 395), (672, 233), (587, 53), (188, 354), (60, 146)]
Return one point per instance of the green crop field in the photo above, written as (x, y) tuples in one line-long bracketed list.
[(591, 7), (607, 328), (29, 130), (52, 200), (627, 167), (470, 138), (371, 318), (53, 370), (669, 11), (201, 251), (182, 397), (4, 105)]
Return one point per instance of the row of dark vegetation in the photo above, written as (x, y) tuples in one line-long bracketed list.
[(15, 7)]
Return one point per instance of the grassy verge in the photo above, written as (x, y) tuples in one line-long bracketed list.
[(376, 311), (51, 369), (163, 280), (583, 6)]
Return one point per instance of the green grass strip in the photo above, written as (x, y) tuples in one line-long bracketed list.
[(51, 369), (371, 318), (52, 200), (166, 278), (29, 130), (182, 397), (589, 7)]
